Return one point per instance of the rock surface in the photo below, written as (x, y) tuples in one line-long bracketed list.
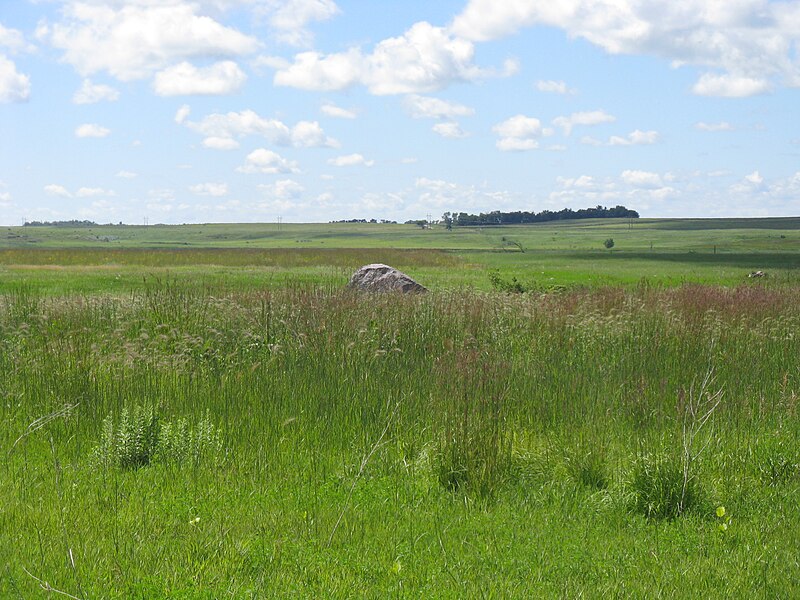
[(383, 278)]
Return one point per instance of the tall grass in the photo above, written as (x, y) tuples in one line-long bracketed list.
[(365, 432)]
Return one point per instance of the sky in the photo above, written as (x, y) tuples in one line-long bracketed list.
[(197, 111)]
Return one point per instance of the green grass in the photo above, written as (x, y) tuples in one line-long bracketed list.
[(210, 419), (339, 415), (118, 259)]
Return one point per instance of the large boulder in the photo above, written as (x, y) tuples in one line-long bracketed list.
[(383, 278)]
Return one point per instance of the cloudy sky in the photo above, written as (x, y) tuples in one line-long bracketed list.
[(180, 111)]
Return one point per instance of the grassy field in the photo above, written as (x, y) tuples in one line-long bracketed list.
[(665, 252), (221, 421)]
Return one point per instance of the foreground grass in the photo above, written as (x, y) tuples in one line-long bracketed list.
[(452, 445)]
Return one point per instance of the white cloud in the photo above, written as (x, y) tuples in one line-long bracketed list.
[(283, 189), (13, 40), (127, 175), (91, 93), (635, 138), (749, 41), (721, 126), (134, 40), (209, 189), (57, 190), (91, 130), (14, 86), (642, 179), (182, 114), (222, 130), (595, 117), (267, 161), (730, 86), (450, 130), (331, 110), (290, 18), (350, 160), (272, 62), (424, 59), (518, 133), (555, 87), (86, 192), (441, 195), (755, 178), (220, 143), (425, 107), (185, 79)]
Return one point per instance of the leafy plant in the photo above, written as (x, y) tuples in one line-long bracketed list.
[(139, 439)]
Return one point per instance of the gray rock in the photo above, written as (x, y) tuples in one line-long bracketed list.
[(383, 278)]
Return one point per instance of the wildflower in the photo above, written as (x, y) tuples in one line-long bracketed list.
[(194, 521), (720, 511)]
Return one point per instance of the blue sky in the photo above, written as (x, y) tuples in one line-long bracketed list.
[(179, 111)]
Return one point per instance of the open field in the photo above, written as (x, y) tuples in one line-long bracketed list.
[(665, 252), (223, 422)]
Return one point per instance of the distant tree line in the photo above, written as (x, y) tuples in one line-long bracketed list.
[(73, 223), (383, 221), (517, 217)]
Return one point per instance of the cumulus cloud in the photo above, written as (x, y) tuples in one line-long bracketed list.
[(642, 179), (220, 143), (634, 138), (54, 189), (222, 130), (743, 43), (14, 86), (87, 192), (442, 195), (91, 93), (184, 79), (721, 126), (13, 40), (450, 130), (755, 178), (83, 192), (350, 160), (518, 133), (289, 18), (595, 117), (425, 107), (283, 189), (730, 86), (133, 40), (424, 59), (555, 87), (182, 114), (267, 161), (210, 189), (331, 110), (91, 130)]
